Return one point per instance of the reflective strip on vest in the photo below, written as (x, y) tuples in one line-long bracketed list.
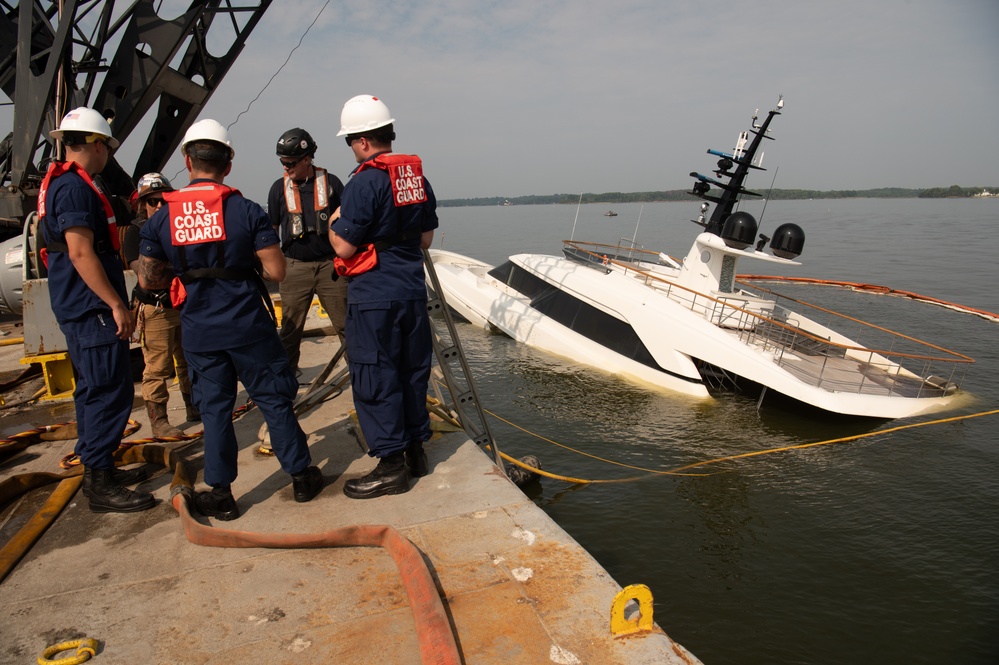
[(293, 199)]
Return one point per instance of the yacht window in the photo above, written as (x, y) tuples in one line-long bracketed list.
[(578, 316)]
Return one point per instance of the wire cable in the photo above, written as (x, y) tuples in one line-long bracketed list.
[(273, 76), (286, 60)]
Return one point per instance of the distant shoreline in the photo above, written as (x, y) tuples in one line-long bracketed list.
[(952, 192)]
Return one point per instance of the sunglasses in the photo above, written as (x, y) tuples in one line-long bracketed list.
[(155, 202), (290, 164), (350, 139)]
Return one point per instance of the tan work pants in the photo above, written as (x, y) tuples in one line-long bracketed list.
[(161, 350)]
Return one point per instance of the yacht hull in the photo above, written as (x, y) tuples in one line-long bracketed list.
[(675, 341)]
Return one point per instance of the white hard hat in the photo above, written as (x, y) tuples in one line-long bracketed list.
[(208, 130), (363, 113), (85, 121)]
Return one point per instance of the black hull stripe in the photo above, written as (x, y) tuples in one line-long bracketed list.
[(581, 317)]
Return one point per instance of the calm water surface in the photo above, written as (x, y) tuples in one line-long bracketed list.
[(882, 550)]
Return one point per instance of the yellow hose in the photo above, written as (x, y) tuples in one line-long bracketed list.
[(27, 535)]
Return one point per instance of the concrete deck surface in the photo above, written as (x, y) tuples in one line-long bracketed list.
[(516, 587)]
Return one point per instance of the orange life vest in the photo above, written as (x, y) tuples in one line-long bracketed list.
[(196, 213), (406, 175), (195, 217), (55, 170), (293, 199)]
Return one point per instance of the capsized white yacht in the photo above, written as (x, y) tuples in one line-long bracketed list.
[(687, 325)]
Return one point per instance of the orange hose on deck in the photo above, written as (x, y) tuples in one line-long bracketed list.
[(877, 288), (436, 640), (437, 643), (433, 631)]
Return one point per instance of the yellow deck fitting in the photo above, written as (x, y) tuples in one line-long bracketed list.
[(86, 649), (57, 369), (643, 622)]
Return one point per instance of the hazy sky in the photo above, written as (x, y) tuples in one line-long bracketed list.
[(549, 96)]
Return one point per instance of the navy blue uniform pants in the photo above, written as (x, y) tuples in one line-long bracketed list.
[(263, 368), (104, 388), (390, 350)]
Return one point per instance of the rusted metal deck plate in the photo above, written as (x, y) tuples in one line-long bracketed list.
[(516, 587)]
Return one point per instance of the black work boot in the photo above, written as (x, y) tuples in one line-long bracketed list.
[(308, 484), (416, 460), (107, 496), (121, 477), (218, 503), (391, 476)]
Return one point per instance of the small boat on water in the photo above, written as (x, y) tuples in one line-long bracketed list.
[(688, 326), (610, 213)]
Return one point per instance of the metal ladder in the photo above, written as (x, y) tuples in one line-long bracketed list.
[(453, 365)]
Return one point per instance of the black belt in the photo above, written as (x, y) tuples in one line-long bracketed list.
[(158, 297)]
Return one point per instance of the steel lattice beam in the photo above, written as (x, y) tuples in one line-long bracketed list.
[(147, 69)]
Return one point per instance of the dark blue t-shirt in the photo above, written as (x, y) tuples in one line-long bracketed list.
[(219, 313), (368, 214), (72, 202)]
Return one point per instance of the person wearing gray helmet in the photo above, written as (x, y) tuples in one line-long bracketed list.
[(301, 205)]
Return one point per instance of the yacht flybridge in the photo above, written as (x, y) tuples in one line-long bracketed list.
[(688, 326)]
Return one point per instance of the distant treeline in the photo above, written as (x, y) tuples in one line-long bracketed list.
[(954, 191)]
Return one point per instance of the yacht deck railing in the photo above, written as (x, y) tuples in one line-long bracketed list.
[(803, 347)]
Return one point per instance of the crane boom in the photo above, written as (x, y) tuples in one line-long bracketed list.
[(138, 59)]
